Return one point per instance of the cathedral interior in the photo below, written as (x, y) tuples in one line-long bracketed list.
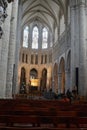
[(43, 46), (43, 64)]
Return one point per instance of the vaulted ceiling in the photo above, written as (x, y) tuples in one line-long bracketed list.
[(44, 11)]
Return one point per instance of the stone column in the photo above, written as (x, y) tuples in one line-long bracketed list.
[(67, 80), (4, 52), (75, 50), (48, 80), (18, 45), (82, 47), (72, 18), (59, 82), (39, 77), (11, 53)]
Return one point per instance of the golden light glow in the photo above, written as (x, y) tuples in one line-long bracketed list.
[(34, 82)]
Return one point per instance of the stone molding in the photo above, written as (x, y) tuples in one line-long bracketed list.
[(3, 13)]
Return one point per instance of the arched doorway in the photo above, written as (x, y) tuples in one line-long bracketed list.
[(43, 82), (55, 74), (33, 79), (62, 75), (33, 74)]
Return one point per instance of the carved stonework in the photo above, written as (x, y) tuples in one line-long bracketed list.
[(3, 13)]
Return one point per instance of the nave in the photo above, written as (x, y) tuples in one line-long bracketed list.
[(43, 57)]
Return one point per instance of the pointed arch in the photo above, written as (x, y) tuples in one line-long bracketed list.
[(33, 74), (34, 79)]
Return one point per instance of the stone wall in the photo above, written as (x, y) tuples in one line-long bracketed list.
[(4, 44), (7, 50), (39, 67)]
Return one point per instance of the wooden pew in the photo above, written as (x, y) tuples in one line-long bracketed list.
[(37, 103), (25, 104), (52, 112), (11, 120), (37, 128), (36, 111)]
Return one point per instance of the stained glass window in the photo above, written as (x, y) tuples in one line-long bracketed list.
[(25, 37), (35, 36), (44, 38)]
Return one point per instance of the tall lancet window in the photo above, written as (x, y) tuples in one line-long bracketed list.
[(25, 36), (44, 38), (35, 36)]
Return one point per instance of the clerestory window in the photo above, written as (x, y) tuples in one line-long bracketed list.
[(35, 36), (25, 37), (44, 38)]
